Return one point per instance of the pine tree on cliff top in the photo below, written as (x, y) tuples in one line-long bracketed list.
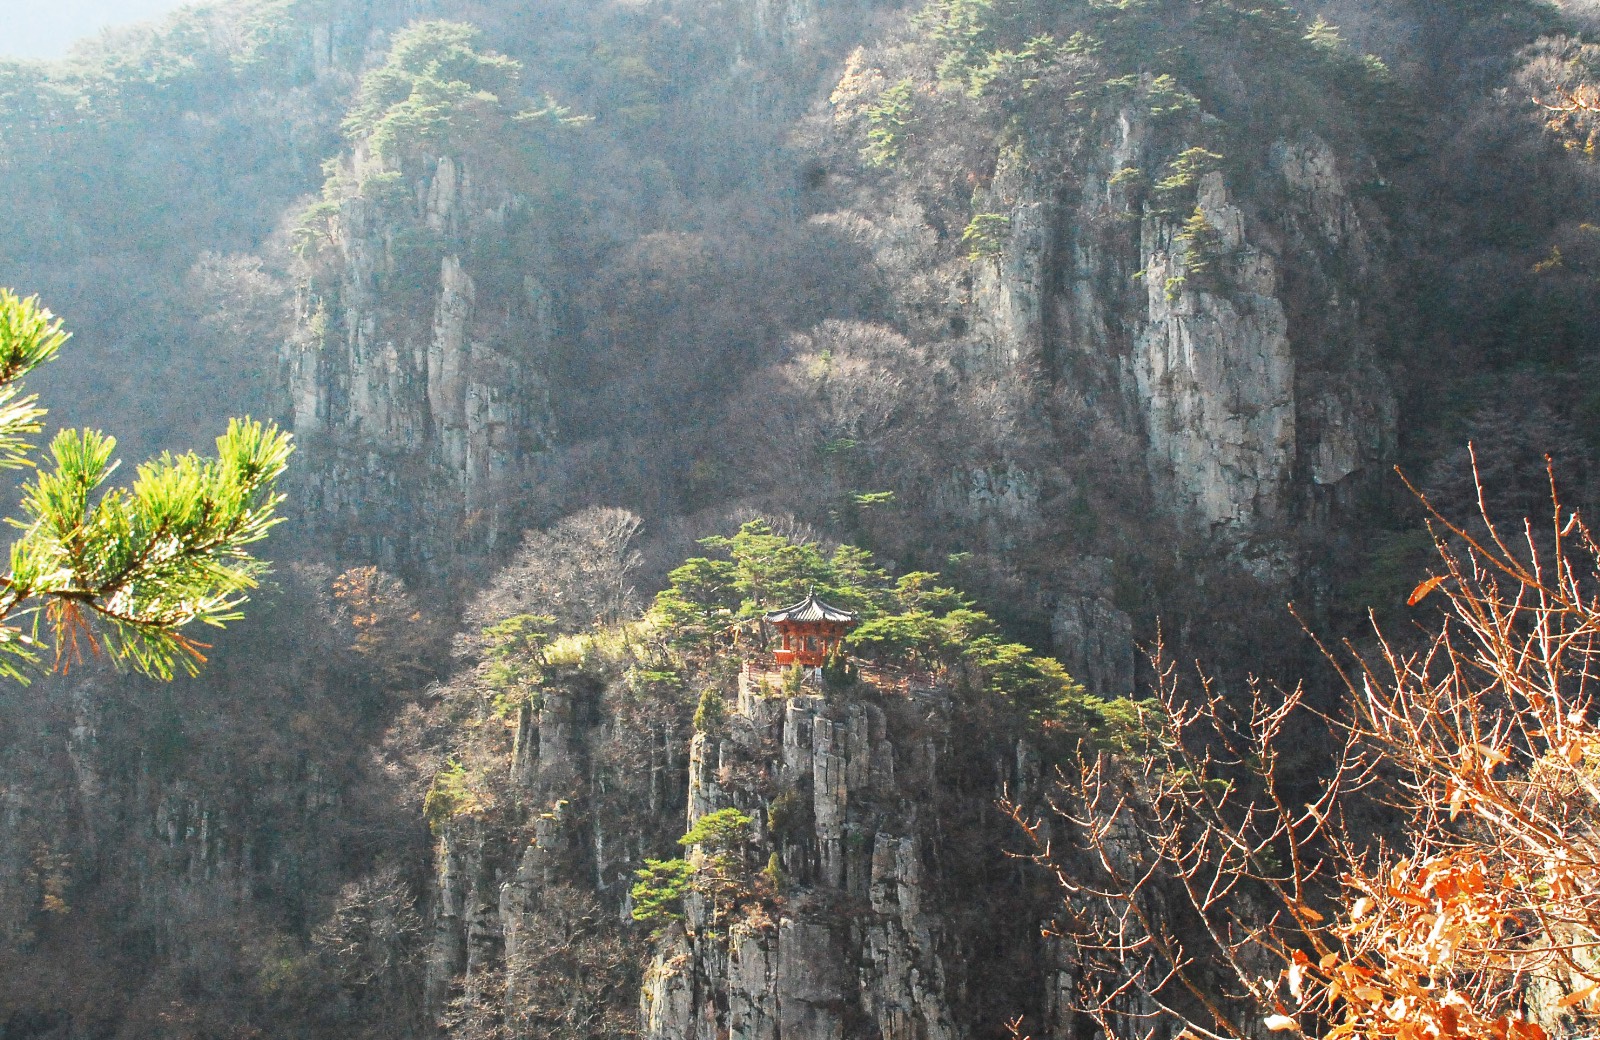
[(121, 571)]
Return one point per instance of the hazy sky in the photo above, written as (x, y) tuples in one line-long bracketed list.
[(46, 28)]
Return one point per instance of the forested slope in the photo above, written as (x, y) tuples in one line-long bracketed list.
[(1113, 314)]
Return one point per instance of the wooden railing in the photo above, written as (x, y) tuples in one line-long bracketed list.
[(896, 679)]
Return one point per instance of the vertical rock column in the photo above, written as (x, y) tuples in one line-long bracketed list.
[(1216, 374)]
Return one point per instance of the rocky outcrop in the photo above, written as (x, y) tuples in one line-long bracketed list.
[(1215, 374), (1012, 290), (424, 386), (848, 932), (783, 23), (802, 968), (1145, 334), (1237, 355), (1095, 641)]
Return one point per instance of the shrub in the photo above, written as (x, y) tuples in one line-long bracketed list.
[(794, 681), (891, 120), (784, 815), (659, 889), (451, 795), (711, 714), (516, 659), (985, 235), (1183, 175)]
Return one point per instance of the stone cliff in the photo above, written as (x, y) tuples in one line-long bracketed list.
[(426, 395), (880, 918), (1245, 368), (1164, 329)]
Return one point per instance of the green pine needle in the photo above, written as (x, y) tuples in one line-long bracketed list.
[(120, 572)]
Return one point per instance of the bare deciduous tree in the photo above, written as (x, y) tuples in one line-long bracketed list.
[(373, 934), (373, 943), (577, 571), (1211, 888), (569, 976)]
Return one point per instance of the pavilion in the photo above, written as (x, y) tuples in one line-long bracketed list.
[(811, 630)]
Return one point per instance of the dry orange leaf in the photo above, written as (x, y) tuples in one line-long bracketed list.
[(1578, 996), (1492, 756), (1420, 593)]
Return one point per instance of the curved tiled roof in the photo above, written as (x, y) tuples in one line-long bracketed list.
[(811, 609)]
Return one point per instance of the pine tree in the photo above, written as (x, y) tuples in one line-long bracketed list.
[(121, 571)]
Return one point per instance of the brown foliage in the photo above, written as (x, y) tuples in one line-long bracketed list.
[(1212, 885), (375, 613), (1560, 75)]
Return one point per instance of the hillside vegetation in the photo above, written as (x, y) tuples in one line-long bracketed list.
[(1038, 333)]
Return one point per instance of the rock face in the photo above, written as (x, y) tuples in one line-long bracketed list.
[(1250, 380), (782, 23), (1095, 641), (1215, 374), (848, 933), (414, 380), (1219, 328), (1157, 351), (811, 972)]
